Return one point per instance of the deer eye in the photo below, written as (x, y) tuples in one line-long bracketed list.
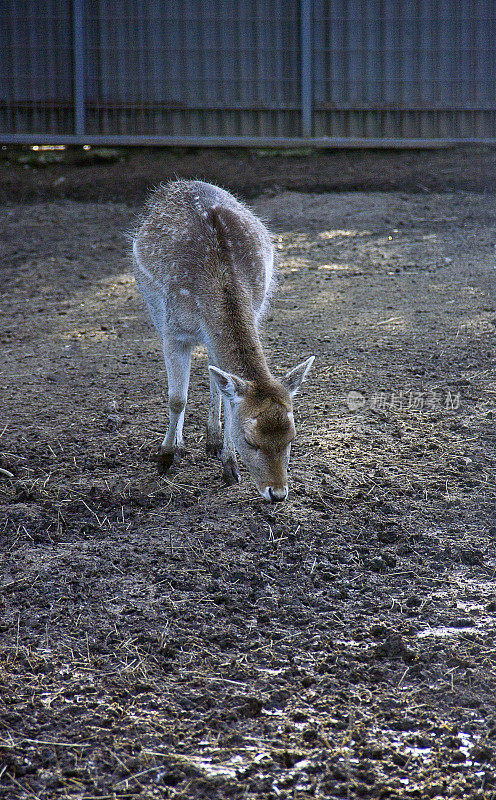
[(251, 445)]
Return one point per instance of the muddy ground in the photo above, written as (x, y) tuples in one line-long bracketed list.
[(174, 637)]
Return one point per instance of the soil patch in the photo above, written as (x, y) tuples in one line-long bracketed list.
[(174, 637)]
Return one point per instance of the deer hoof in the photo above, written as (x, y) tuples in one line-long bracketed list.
[(166, 458), (230, 472)]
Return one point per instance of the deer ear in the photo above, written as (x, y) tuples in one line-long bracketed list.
[(295, 377), (231, 386)]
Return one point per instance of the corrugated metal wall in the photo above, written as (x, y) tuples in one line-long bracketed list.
[(228, 71), (36, 73), (416, 68), (191, 67)]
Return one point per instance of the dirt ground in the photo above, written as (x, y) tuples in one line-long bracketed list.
[(126, 174), (178, 638)]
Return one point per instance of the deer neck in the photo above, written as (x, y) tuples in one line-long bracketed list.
[(232, 334)]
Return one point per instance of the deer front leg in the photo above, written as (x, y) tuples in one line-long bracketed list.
[(177, 357), (213, 444), (228, 455)]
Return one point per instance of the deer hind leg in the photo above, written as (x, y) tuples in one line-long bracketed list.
[(228, 455), (213, 444), (177, 357)]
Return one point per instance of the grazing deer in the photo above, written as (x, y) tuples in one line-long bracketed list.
[(204, 265)]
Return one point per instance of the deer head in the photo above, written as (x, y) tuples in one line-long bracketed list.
[(262, 425)]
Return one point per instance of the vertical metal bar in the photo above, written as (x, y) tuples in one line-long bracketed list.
[(306, 67), (78, 54)]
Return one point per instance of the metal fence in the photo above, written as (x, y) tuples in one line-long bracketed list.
[(327, 72)]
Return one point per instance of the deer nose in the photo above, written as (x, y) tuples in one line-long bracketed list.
[(279, 494)]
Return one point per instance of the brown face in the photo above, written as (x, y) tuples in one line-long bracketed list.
[(262, 425), (263, 441)]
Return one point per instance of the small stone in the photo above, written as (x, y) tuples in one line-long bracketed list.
[(309, 735), (471, 556), (394, 647), (379, 631), (482, 753), (376, 564), (252, 707)]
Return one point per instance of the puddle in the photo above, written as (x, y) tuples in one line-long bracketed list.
[(348, 643), (213, 770), (470, 608), (231, 767), (411, 750), (268, 671), (444, 631), (467, 742)]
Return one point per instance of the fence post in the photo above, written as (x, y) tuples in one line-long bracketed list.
[(306, 67), (78, 55)]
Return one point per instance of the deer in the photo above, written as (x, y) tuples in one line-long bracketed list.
[(204, 264)]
